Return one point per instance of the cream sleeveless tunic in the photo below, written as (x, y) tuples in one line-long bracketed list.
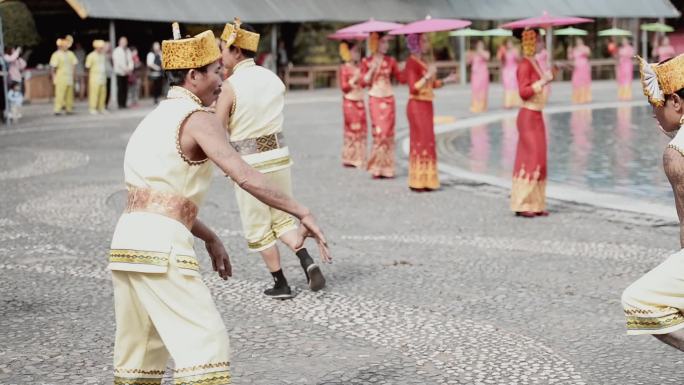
[(258, 111), (143, 241)]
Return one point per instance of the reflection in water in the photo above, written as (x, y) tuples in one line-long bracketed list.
[(479, 148), (623, 136), (608, 150), (580, 127), (510, 140)]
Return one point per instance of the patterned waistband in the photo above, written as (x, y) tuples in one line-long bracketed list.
[(169, 205), (533, 106), (260, 144)]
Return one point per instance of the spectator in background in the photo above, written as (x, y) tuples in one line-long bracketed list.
[(15, 99), (134, 78), (16, 65), (283, 61), (97, 78), (63, 64), (109, 71), (664, 50), (123, 67), (79, 84), (154, 71)]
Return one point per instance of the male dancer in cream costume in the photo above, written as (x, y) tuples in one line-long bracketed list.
[(251, 107), (654, 304), (163, 309)]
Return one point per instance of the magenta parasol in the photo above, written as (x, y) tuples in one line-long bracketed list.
[(546, 21), (371, 25), (431, 25), (348, 36)]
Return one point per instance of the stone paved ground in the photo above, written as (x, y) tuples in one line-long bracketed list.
[(441, 288)]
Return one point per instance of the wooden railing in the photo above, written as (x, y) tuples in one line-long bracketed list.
[(323, 76)]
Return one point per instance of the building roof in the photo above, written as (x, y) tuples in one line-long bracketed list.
[(270, 11)]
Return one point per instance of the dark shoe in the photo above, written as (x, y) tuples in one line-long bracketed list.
[(542, 214), (314, 277), (282, 292), (525, 214)]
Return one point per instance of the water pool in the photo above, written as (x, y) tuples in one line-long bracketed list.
[(611, 150)]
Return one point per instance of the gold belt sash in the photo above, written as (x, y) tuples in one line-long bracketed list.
[(260, 144), (169, 205)]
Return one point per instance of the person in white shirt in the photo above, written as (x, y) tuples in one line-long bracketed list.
[(154, 70), (123, 66)]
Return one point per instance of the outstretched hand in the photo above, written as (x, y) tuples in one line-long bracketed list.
[(220, 260), (309, 228)]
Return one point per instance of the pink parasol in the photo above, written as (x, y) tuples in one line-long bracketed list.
[(431, 25), (348, 36), (371, 25), (546, 21)]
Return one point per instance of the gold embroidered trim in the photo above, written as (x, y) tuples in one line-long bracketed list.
[(283, 227), (138, 256), (205, 366), (675, 147), (137, 381), (187, 93), (138, 371), (235, 100), (528, 191), (654, 323), (187, 262), (169, 205), (284, 161), (178, 144), (268, 239), (216, 378)]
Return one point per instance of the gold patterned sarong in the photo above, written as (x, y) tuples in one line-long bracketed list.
[(654, 303)]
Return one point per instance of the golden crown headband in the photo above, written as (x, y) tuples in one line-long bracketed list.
[(345, 52), (661, 79), (234, 35), (529, 42), (373, 42), (192, 52)]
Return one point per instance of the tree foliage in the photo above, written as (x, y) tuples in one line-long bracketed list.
[(18, 26)]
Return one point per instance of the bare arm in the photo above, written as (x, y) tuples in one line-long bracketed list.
[(220, 260), (673, 163), (205, 129), (224, 105)]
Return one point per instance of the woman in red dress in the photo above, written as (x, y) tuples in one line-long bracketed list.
[(420, 75), (378, 71), (354, 108), (528, 194)]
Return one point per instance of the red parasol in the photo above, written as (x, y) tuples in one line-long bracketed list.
[(371, 25), (431, 25)]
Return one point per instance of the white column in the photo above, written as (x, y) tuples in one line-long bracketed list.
[(549, 47), (112, 81), (274, 48), (5, 74), (462, 58)]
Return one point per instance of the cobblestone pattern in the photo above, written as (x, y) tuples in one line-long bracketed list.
[(442, 288)]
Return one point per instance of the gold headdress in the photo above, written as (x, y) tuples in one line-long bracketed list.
[(529, 42), (661, 79), (345, 53), (98, 43), (373, 42), (234, 35), (193, 52)]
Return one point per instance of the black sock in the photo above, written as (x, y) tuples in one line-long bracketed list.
[(304, 258), (279, 278)]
